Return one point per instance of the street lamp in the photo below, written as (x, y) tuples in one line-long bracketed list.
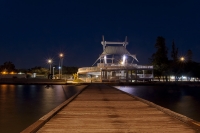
[(182, 59), (53, 72), (50, 62), (61, 55)]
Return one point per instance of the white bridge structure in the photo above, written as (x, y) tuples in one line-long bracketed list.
[(116, 64)]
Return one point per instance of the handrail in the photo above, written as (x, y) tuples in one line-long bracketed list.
[(110, 65)]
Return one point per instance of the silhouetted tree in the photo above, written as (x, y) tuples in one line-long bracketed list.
[(39, 70), (164, 67), (174, 68), (69, 70), (174, 52), (189, 55), (8, 67), (159, 59), (196, 70)]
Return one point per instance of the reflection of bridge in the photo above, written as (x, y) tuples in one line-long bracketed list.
[(116, 64)]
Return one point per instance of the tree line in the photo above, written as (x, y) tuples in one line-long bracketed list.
[(177, 66), (9, 67)]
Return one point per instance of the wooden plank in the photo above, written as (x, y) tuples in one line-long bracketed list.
[(101, 109)]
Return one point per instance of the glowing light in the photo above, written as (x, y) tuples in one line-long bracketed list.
[(182, 58), (49, 61), (184, 77), (105, 60), (12, 73), (172, 77), (4, 72), (124, 59), (61, 55)]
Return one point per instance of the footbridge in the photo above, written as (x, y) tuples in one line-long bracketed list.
[(99, 108)]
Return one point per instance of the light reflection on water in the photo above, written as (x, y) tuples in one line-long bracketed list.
[(22, 105), (183, 100)]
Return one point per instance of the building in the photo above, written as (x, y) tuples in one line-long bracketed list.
[(116, 64)]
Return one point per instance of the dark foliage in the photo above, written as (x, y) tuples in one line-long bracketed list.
[(164, 67), (8, 67), (159, 59)]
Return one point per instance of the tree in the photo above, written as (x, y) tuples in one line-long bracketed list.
[(39, 70), (159, 59), (174, 67), (174, 52), (69, 70), (189, 55), (8, 67), (190, 65)]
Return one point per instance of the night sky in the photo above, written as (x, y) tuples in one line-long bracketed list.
[(31, 31)]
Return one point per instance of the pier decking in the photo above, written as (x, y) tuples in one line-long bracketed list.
[(100, 108)]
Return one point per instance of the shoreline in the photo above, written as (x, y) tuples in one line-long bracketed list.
[(25, 81), (35, 81)]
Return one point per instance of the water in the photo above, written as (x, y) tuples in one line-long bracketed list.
[(183, 100), (22, 105)]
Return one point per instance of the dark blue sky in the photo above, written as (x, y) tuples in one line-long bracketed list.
[(31, 31)]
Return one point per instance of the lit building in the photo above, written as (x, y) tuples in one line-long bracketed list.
[(116, 64)]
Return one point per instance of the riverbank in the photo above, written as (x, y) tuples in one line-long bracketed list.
[(32, 81), (37, 81), (185, 83)]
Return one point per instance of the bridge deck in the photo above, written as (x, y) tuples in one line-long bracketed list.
[(100, 108)]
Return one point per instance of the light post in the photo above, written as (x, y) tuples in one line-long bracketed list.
[(53, 72), (61, 55), (50, 62), (182, 59)]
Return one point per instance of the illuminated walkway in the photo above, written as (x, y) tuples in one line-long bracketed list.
[(100, 108)]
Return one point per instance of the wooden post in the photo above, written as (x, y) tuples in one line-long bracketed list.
[(126, 75), (131, 76), (101, 76), (136, 75)]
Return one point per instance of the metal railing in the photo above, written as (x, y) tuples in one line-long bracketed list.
[(88, 69), (113, 66)]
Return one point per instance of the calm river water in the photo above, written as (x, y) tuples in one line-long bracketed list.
[(183, 100), (22, 105)]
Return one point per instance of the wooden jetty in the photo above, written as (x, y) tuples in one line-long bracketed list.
[(103, 109)]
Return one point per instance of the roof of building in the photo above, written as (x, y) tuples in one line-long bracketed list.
[(121, 50), (115, 50)]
